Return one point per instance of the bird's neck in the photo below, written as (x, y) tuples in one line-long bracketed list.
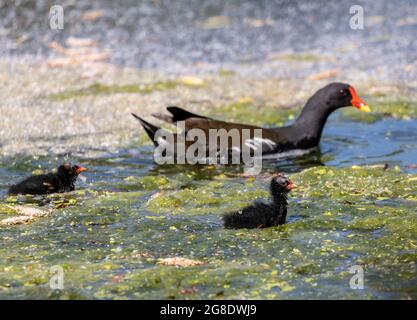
[(67, 180), (311, 121), (279, 199)]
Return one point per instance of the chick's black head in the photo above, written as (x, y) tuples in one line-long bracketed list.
[(281, 185), (70, 170)]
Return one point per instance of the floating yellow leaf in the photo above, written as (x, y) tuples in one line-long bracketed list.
[(180, 262), (191, 81)]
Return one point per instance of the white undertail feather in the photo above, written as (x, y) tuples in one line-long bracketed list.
[(257, 142)]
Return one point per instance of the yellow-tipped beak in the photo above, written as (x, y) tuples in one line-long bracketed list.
[(358, 102), (365, 108)]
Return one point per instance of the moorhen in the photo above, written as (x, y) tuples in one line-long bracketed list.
[(61, 181), (304, 133), (260, 214)]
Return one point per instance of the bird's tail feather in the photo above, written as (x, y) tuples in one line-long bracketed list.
[(179, 114), (149, 128)]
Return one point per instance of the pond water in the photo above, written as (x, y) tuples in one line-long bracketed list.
[(129, 213)]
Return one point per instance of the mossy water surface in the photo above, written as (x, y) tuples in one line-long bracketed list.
[(129, 214), (103, 89)]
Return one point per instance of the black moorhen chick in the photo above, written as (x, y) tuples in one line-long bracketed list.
[(260, 214), (61, 181), (304, 133)]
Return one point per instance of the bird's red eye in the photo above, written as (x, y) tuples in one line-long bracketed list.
[(342, 92)]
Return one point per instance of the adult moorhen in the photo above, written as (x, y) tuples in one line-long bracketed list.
[(61, 181), (304, 133), (260, 214)]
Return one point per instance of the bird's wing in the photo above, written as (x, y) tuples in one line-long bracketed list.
[(33, 185), (237, 135), (251, 136)]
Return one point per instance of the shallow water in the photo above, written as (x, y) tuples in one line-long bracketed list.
[(129, 213), (188, 36)]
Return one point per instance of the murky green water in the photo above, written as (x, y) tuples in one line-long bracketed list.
[(129, 212)]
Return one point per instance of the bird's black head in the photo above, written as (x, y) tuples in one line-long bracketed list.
[(281, 185), (69, 170), (337, 95)]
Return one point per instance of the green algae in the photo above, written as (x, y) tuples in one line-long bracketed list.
[(302, 57), (145, 183), (111, 241), (204, 199), (6, 210), (247, 111), (383, 108), (226, 73), (104, 89)]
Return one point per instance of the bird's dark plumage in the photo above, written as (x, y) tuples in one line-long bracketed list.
[(61, 181), (263, 215), (304, 133), (177, 114), (149, 128)]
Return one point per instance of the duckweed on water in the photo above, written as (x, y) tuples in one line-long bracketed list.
[(109, 243), (103, 89), (381, 108), (205, 199), (245, 110), (226, 73), (302, 57)]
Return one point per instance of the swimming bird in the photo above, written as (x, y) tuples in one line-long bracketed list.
[(260, 214), (304, 133), (54, 182)]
